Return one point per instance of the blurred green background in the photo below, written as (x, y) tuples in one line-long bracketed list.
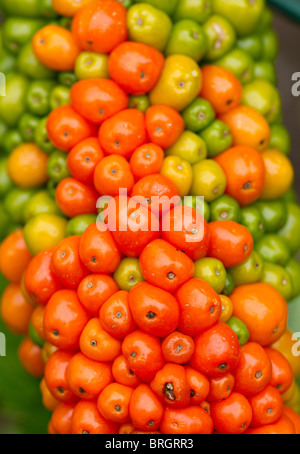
[(21, 410), (20, 399)]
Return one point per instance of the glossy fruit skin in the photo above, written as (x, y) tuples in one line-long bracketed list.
[(51, 41), (178, 348), (221, 37), (128, 274), (248, 128), (205, 359), (146, 160), (220, 88), (245, 172), (187, 38), (229, 236), (159, 187), (140, 102), (87, 378), (280, 278), (113, 403), (180, 172), (97, 344), (198, 115), (99, 245), (123, 133), (83, 159), (123, 374), (244, 16), (116, 315), (98, 99), (66, 128), (264, 97), (179, 395), (199, 386), (254, 370), (87, 420), (209, 180), (94, 290), (267, 407), (255, 305), (274, 214), (67, 265), (189, 147), (112, 174), (164, 125), (227, 308), (144, 354), (220, 388), (276, 164), (145, 408), (179, 84), (61, 421), (62, 310), (240, 330), (203, 310), (136, 67), (225, 208), (283, 426), (192, 420), (90, 65), (75, 198), (294, 417), (131, 224), (232, 415), (40, 281), (282, 373), (149, 25), (77, 225), (217, 137), (100, 27), (248, 272), (252, 219), (187, 230), (154, 311), (164, 266)]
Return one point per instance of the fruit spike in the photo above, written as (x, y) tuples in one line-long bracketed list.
[(148, 220)]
